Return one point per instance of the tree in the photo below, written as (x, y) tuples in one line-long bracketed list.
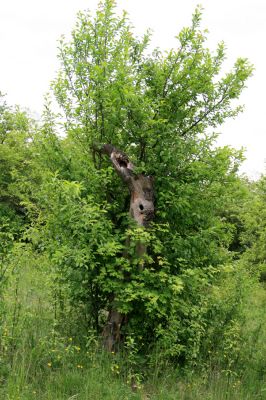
[(253, 235), (153, 111), (16, 128)]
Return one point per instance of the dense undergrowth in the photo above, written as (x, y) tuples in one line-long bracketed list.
[(48, 355)]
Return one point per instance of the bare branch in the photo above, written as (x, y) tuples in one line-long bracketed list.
[(120, 161)]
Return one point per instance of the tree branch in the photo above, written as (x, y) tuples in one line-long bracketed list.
[(209, 111), (119, 159)]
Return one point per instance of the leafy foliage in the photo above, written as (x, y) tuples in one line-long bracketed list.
[(253, 237), (66, 210)]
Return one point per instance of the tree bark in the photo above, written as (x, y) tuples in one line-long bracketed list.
[(142, 211)]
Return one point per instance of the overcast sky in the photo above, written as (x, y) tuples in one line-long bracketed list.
[(30, 29)]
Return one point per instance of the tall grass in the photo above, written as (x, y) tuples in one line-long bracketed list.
[(41, 362)]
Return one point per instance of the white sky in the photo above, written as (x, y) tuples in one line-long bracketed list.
[(29, 30)]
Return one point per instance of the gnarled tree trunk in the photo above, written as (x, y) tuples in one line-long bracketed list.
[(142, 211)]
